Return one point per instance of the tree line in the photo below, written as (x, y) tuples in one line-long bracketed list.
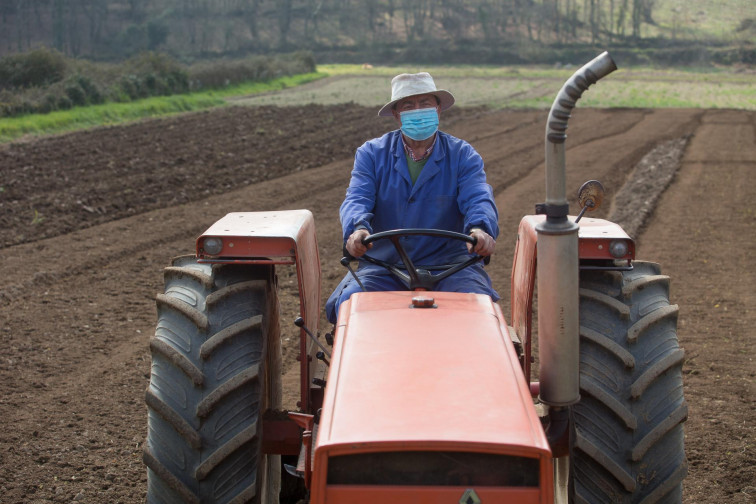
[(107, 29)]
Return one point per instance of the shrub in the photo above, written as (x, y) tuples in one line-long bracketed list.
[(153, 74), (65, 103), (49, 103), (77, 95), (31, 69), (305, 62), (152, 83), (130, 85), (210, 75), (147, 74), (178, 82), (91, 90)]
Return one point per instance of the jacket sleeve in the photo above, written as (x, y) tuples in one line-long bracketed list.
[(357, 209), (475, 197)]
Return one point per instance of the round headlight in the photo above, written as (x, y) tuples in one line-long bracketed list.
[(618, 248), (212, 246)]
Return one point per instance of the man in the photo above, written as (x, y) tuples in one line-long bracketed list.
[(417, 177)]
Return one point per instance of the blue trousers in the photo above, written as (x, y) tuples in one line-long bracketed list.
[(472, 279)]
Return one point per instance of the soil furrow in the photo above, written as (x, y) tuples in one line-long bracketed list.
[(79, 306)]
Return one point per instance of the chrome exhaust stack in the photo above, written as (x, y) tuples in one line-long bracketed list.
[(557, 256)]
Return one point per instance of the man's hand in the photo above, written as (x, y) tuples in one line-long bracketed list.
[(486, 244), (354, 244)]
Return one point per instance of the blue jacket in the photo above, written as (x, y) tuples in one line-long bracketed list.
[(451, 193)]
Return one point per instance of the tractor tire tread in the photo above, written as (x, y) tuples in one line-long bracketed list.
[(628, 442), (188, 311), (215, 361), (220, 393), (167, 477), (215, 458), (228, 334), (623, 477), (178, 359), (181, 426)]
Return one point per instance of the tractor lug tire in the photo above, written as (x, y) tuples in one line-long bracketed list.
[(216, 370), (628, 441)]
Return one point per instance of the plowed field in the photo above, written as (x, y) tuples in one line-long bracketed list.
[(88, 220)]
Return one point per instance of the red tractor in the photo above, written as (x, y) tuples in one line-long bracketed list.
[(429, 396)]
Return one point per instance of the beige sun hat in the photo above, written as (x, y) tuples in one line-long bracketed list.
[(405, 85)]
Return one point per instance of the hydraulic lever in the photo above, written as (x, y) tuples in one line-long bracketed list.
[(299, 322), (345, 262)]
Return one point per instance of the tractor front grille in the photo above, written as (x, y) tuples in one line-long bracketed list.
[(436, 468)]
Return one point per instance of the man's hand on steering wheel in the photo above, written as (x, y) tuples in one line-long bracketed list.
[(485, 243), (423, 278), (354, 244)]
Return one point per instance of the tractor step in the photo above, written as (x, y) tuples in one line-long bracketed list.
[(300, 469)]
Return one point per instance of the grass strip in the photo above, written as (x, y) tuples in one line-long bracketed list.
[(536, 87), (78, 118), (704, 74)]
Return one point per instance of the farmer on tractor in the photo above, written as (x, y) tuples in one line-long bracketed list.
[(417, 177)]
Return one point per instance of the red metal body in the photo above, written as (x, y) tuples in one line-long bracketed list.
[(594, 238), (282, 237), (438, 379), (426, 379), (409, 379)]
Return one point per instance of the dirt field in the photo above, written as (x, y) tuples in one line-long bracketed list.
[(88, 221)]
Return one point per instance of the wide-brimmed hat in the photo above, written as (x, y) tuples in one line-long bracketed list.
[(405, 85)]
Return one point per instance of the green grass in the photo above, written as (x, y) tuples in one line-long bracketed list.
[(536, 71), (115, 113), (533, 87), (101, 115), (498, 87), (447, 71)]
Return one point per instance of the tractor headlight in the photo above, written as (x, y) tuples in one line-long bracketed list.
[(212, 246), (618, 248)]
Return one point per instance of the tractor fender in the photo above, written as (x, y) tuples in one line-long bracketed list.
[(284, 237), (595, 238)]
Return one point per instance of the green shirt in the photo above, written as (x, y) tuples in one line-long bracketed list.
[(415, 167)]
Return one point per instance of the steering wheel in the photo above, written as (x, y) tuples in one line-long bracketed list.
[(416, 278)]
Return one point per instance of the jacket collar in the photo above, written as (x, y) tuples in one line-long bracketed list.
[(432, 166)]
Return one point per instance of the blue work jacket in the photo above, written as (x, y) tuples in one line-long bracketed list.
[(451, 193)]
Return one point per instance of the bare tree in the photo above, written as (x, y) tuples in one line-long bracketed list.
[(284, 22), (595, 20), (415, 14), (637, 17), (136, 11), (312, 15), (96, 13), (451, 20), (251, 9), (59, 24)]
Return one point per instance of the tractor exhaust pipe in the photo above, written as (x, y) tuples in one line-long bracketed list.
[(557, 263)]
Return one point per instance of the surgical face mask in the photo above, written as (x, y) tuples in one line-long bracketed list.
[(419, 124)]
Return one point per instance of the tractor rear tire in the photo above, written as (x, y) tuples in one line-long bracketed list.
[(628, 444), (216, 370)]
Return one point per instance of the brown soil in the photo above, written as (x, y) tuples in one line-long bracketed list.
[(88, 221)]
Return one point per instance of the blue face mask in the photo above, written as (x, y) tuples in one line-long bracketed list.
[(419, 124)]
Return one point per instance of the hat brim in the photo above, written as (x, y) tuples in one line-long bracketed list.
[(446, 100)]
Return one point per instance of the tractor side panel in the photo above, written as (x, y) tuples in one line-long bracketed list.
[(523, 284)]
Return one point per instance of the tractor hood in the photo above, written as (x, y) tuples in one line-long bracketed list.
[(405, 378)]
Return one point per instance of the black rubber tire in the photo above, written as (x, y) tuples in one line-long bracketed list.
[(628, 444), (216, 369)]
